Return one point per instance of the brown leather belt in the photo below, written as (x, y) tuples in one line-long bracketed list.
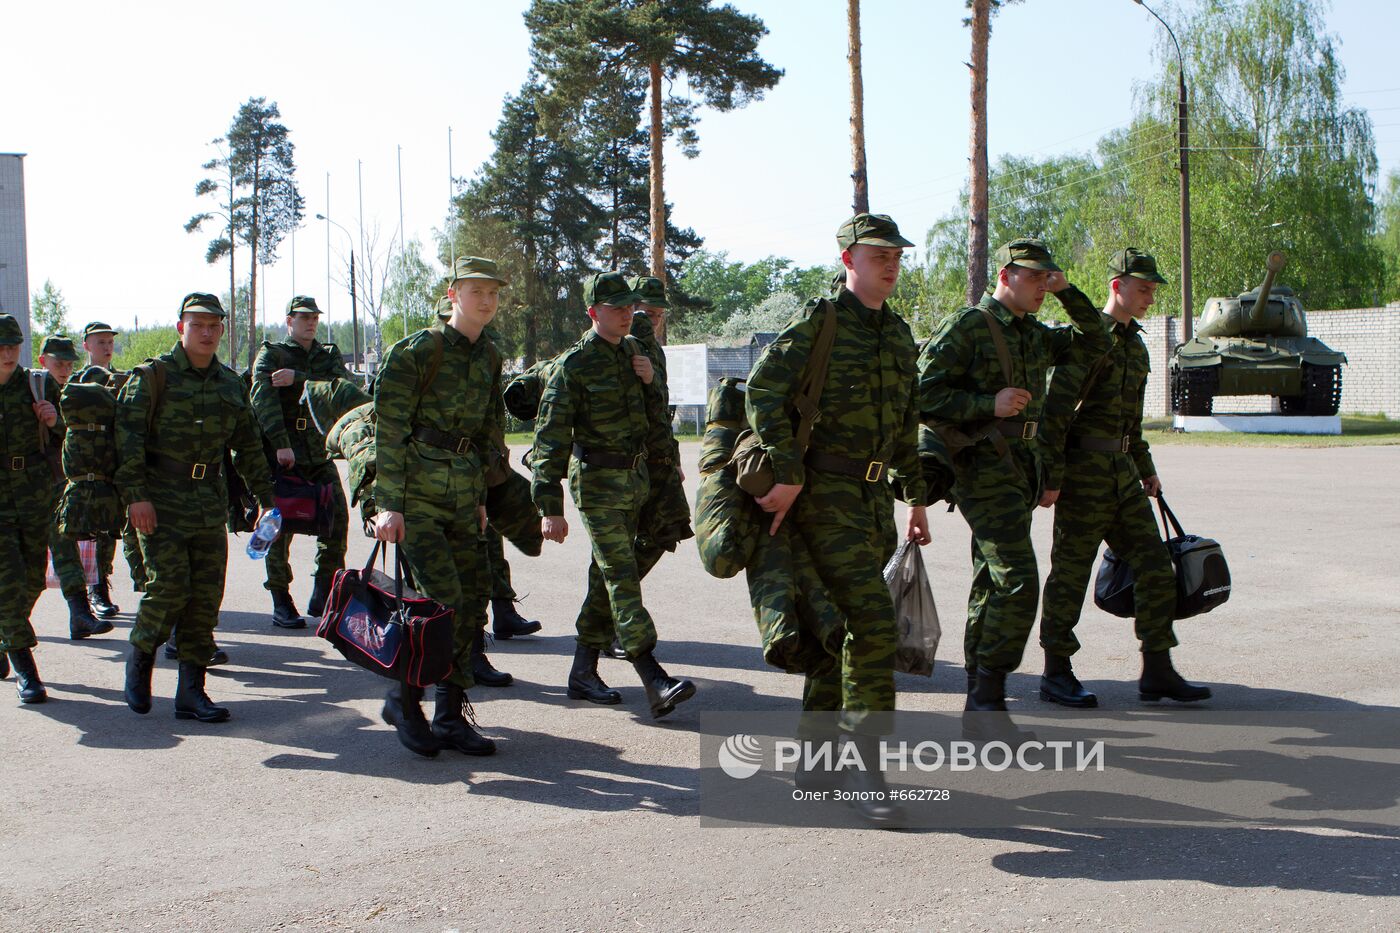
[(184, 468), (456, 444), (1025, 430), (604, 459), (1113, 445), (869, 470)]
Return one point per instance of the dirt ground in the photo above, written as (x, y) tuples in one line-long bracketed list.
[(304, 812)]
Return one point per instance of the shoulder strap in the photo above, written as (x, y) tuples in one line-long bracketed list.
[(435, 366), (998, 341), (153, 372), (809, 392), (1095, 372)]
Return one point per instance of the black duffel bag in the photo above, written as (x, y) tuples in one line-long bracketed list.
[(385, 627), (1202, 575), (307, 508)]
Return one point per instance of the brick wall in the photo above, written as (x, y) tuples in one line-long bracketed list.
[(1370, 337)]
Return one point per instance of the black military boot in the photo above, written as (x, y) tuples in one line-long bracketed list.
[(506, 622), (284, 611), (4, 665), (482, 671), (616, 651), (971, 679), (81, 621), (1160, 680), (320, 592), (100, 596), (450, 725), (403, 712), (990, 721), (27, 682), (139, 665), (584, 682), (663, 690), (1059, 685), (870, 795), (191, 702)]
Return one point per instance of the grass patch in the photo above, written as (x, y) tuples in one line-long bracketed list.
[(1357, 431)]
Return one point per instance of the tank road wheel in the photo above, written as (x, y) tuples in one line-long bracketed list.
[(1197, 389), (1322, 388)]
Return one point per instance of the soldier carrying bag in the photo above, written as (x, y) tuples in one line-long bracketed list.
[(1202, 575)]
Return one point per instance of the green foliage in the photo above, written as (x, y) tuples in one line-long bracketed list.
[(410, 295), (136, 346), (1277, 162), (727, 288), (1388, 236), (48, 314)]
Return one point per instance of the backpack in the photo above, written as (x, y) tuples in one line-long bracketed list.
[(89, 505)]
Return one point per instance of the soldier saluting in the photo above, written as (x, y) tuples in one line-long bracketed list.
[(1099, 476)]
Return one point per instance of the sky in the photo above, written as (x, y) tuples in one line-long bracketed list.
[(116, 104)]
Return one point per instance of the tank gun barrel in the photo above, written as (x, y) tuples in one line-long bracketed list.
[(1273, 266)]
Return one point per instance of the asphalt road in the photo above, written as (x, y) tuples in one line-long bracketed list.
[(305, 812)]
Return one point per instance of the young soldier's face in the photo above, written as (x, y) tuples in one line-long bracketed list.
[(654, 314), (59, 369), (9, 358), (478, 299), (613, 322), (1027, 287), (1135, 295), (200, 333), (873, 269), (100, 347), (302, 326)]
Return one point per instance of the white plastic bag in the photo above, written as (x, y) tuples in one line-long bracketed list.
[(915, 614)]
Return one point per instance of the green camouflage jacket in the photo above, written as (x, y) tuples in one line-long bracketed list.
[(595, 399), (1112, 407), (960, 376), (27, 488), (869, 408), (101, 375), (462, 401), (284, 418), (200, 415)]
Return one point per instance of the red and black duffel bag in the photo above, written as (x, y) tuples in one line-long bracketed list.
[(307, 508), (387, 628)]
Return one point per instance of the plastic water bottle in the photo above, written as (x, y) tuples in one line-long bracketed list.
[(269, 527)]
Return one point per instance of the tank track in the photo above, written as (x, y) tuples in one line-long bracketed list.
[(1322, 392), (1193, 390)]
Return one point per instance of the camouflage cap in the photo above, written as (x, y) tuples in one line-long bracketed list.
[(302, 304), (875, 229), (59, 347), (1028, 253), (650, 290), (444, 307), (1134, 262), (475, 267), (97, 327), (609, 288), (11, 334), (202, 303)]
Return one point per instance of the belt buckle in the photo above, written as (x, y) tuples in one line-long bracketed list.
[(464, 446), (1029, 429), (301, 424), (198, 471), (876, 467), (1124, 447), (16, 463)]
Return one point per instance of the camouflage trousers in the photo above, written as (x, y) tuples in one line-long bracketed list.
[(848, 527), (613, 535), (1005, 582), (67, 564), (23, 560), (446, 553), (184, 589), (501, 587), (330, 550), (1110, 506), (131, 549)]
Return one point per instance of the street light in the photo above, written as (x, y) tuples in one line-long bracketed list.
[(354, 312), (1185, 179)]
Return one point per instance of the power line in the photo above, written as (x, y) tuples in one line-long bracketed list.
[(1079, 181)]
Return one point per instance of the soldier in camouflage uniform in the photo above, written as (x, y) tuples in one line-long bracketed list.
[(170, 450), (837, 493), (280, 374), (99, 340), (27, 497), (1099, 475), (595, 421), (57, 357), (438, 405), (961, 382), (665, 517)]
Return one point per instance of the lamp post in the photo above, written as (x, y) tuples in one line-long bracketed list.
[(1182, 151), (354, 310)]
